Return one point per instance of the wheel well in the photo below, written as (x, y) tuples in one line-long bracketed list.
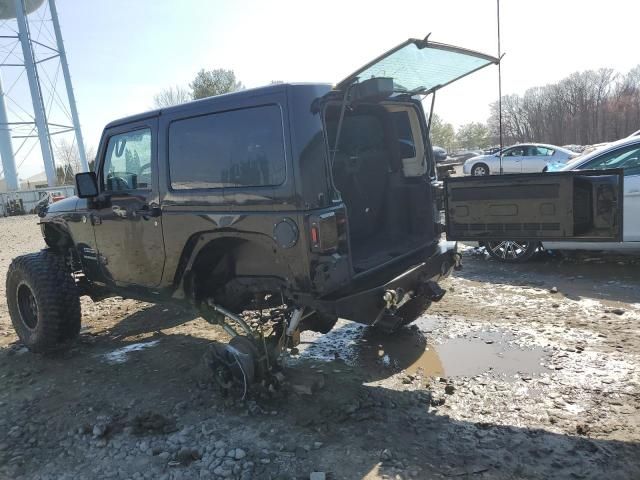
[(482, 164), (233, 267)]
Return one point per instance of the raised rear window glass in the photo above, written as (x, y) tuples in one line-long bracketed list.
[(239, 148)]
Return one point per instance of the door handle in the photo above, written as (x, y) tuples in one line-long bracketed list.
[(147, 211)]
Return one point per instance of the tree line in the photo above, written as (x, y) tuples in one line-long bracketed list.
[(585, 108), (468, 136)]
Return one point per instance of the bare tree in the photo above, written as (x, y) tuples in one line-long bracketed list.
[(68, 162), (171, 96), (586, 107)]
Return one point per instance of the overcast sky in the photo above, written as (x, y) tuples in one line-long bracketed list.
[(121, 52)]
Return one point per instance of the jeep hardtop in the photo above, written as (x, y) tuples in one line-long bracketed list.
[(314, 201)]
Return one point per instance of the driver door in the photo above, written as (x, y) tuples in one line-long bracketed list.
[(512, 159), (127, 221)]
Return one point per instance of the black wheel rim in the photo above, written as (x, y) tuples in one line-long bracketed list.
[(509, 249), (27, 306)]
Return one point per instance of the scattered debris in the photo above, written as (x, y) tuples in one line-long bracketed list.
[(582, 429), (386, 455), (149, 423)]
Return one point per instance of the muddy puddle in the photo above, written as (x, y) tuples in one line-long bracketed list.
[(381, 355)]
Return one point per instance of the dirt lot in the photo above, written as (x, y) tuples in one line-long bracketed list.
[(502, 379)]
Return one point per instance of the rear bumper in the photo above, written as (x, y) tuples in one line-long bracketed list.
[(409, 290)]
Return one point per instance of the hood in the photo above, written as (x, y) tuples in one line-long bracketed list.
[(65, 205)]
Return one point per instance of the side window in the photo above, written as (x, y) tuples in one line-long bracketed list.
[(514, 152), (127, 163), (627, 158), (239, 148), (535, 151)]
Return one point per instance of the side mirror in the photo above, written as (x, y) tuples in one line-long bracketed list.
[(87, 185)]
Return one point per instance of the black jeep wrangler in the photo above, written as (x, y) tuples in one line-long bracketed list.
[(315, 201)]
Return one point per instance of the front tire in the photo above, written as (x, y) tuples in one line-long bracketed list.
[(43, 300), (511, 251), (480, 170)]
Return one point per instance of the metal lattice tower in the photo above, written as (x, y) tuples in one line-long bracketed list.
[(36, 110)]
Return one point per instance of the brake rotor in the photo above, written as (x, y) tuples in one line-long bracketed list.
[(233, 363)]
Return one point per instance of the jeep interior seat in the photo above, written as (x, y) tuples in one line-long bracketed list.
[(361, 173)]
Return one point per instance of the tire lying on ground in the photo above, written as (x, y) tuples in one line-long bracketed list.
[(43, 300), (511, 251)]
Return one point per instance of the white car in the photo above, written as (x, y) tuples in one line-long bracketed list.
[(623, 154), (523, 158)]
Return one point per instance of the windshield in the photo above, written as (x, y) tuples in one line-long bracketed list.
[(419, 66), (624, 153)]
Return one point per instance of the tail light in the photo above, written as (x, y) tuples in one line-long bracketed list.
[(323, 232)]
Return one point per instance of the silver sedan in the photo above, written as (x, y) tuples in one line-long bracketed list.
[(523, 158)]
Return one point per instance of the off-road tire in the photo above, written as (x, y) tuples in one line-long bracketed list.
[(43, 280), (520, 253)]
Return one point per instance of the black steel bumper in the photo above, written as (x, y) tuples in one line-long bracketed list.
[(404, 297)]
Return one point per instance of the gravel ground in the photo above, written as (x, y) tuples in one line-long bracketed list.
[(527, 371)]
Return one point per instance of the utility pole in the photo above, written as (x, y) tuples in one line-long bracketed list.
[(499, 86)]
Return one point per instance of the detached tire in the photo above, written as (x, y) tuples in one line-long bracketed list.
[(511, 251), (43, 300)]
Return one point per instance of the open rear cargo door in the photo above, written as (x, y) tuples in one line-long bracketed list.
[(572, 205), (421, 66)]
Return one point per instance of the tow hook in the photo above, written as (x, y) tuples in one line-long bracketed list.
[(392, 298)]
